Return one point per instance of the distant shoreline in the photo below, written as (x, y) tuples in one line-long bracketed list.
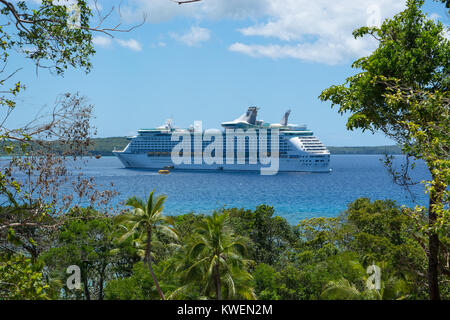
[(104, 147), (366, 150)]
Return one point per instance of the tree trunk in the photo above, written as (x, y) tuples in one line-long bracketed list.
[(217, 280), (148, 258), (433, 247), (100, 284), (87, 295)]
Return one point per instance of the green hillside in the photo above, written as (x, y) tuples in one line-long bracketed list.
[(366, 150), (105, 146)]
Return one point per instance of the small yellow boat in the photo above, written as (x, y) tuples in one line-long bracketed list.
[(163, 171)]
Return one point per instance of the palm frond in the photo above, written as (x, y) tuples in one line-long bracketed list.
[(341, 289), (168, 231), (229, 283), (158, 207), (196, 248), (179, 292), (129, 233), (150, 201), (136, 203)]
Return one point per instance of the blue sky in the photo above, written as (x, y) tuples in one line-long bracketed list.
[(210, 60)]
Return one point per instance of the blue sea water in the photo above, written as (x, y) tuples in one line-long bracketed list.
[(294, 196)]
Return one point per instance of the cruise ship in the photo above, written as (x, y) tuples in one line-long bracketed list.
[(293, 147)]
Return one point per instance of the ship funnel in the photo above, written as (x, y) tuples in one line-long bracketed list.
[(248, 118), (284, 121), (251, 115)]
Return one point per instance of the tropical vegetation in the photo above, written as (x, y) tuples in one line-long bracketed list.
[(230, 254), (60, 242), (402, 90)]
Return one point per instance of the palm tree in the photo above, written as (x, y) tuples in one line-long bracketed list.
[(142, 222), (215, 257), (341, 289), (392, 288)]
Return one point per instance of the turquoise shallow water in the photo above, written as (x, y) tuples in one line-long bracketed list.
[(295, 196)]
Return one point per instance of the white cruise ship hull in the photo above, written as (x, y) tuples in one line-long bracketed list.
[(143, 161)]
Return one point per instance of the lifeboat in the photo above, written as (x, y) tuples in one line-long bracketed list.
[(163, 171)]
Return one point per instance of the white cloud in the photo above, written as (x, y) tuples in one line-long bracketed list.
[(107, 42), (130, 44), (319, 51), (163, 10), (160, 44), (446, 34), (435, 16), (319, 30), (194, 37), (102, 41), (95, 6)]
